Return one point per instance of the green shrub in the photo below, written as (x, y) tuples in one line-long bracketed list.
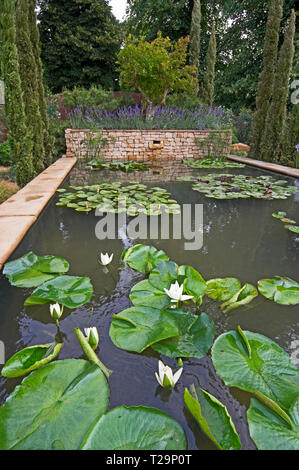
[(7, 189), (5, 154), (94, 96), (183, 100), (57, 129)]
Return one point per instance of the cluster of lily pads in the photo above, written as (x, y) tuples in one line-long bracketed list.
[(126, 167), (68, 399), (116, 198), (227, 186), (289, 224), (157, 320), (219, 163)]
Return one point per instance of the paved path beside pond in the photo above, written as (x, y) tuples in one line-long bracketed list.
[(20, 211), (285, 170)]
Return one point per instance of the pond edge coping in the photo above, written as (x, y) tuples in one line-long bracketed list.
[(286, 170), (21, 210)]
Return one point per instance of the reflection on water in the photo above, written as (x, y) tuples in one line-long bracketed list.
[(241, 239)]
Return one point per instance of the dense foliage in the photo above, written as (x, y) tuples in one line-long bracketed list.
[(80, 40), (240, 32), (156, 68), (19, 137)]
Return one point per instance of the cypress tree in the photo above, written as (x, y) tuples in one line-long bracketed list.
[(290, 154), (19, 137), (28, 74), (195, 34), (35, 42), (273, 134), (209, 76), (266, 80)]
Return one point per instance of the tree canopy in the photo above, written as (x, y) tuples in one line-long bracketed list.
[(80, 40), (155, 68), (240, 33)]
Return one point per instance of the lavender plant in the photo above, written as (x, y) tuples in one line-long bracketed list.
[(132, 117)]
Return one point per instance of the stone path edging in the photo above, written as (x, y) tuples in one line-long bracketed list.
[(21, 210), (286, 170)]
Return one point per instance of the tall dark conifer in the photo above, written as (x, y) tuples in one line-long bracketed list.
[(195, 34), (266, 80), (29, 83), (35, 41), (273, 134), (19, 137), (208, 87)]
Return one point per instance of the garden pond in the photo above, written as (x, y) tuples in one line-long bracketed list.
[(241, 239)]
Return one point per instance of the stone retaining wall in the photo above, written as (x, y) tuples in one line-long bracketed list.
[(142, 145)]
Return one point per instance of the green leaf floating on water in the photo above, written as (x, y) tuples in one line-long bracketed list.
[(242, 297), (70, 291), (54, 407), (143, 258), (137, 328), (269, 431), (291, 228), (279, 215), (213, 418), (32, 270), (146, 295), (30, 358), (268, 370), (195, 338), (194, 284), (282, 290), (135, 428), (222, 289)]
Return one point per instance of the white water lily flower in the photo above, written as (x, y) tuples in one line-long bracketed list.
[(106, 259), (92, 336), (176, 293), (166, 378), (56, 311)]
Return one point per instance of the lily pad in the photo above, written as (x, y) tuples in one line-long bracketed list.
[(222, 289), (291, 228), (30, 358), (194, 284), (269, 431), (213, 418), (243, 297), (196, 334), (279, 215), (32, 270), (146, 295), (137, 328), (282, 290), (143, 258), (135, 428), (54, 407), (268, 370), (70, 291)]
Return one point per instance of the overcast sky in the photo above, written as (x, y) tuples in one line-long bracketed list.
[(118, 8)]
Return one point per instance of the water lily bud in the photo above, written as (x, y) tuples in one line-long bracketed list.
[(56, 311), (105, 259), (166, 378), (92, 336)]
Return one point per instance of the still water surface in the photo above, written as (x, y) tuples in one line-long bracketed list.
[(241, 239)]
